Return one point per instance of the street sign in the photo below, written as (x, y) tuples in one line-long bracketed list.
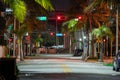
[(10, 27), (59, 34), (41, 18)]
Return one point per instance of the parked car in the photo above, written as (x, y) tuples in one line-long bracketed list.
[(116, 62)]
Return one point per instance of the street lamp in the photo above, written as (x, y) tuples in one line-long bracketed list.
[(80, 39)]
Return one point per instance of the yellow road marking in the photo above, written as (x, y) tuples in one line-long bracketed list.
[(66, 68)]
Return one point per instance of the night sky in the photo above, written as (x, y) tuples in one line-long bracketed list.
[(61, 5)]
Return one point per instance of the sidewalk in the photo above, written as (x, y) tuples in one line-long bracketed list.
[(105, 60), (66, 56)]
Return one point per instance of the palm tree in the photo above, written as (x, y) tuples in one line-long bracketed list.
[(27, 11), (23, 10), (96, 17), (90, 19), (99, 34), (68, 28), (38, 40), (20, 8), (75, 11), (114, 5), (20, 33), (71, 26)]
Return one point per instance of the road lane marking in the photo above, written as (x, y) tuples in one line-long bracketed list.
[(66, 69)]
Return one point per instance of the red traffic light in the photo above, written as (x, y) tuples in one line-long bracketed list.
[(104, 40), (64, 34), (79, 17), (51, 33), (58, 17), (10, 39)]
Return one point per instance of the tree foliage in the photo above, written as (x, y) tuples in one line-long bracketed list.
[(20, 7), (101, 32), (21, 31), (110, 3)]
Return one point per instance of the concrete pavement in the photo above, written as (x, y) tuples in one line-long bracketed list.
[(62, 63), (66, 56)]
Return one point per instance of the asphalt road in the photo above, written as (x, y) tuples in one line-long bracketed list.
[(67, 76), (65, 69)]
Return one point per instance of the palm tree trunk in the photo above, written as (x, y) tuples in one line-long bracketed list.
[(14, 40), (92, 42), (21, 51), (18, 55), (101, 52), (111, 49), (70, 51), (84, 56)]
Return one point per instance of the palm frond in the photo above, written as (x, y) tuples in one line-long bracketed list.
[(87, 9), (102, 31), (96, 32), (71, 23), (18, 7), (69, 26), (45, 4), (114, 3), (21, 31)]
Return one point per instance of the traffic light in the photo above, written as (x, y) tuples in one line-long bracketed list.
[(104, 40), (10, 39), (58, 17), (51, 33), (79, 17), (64, 34)]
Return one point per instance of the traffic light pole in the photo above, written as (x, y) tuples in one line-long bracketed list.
[(56, 35)]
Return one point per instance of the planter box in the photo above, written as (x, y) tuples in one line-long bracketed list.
[(53, 51)]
